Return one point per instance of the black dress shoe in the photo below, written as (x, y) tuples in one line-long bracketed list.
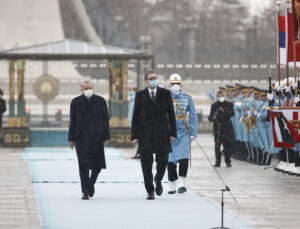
[(171, 192), (150, 196), (217, 165), (228, 165), (92, 191), (137, 156), (85, 196), (158, 188)]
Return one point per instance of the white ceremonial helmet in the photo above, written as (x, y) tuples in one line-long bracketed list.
[(175, 78)]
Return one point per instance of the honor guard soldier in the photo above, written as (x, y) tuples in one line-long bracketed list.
[(236, 100), (186, 124), (262, 125), (242, 108)]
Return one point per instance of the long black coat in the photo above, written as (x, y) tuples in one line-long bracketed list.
[(153, 123), (2, 109), (222, 122), (89, 128)]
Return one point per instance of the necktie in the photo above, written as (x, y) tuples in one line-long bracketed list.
[(152, 96)]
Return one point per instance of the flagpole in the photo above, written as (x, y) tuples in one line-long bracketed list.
[(294, 46), (287, 45), (278, 46)]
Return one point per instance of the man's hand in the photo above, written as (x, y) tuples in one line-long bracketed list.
[(172, 139), (215, 115), (221, 109), (106, 142), (135, 141), (71, 144)]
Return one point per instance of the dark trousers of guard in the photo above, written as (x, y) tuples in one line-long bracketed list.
[(172, 169), (161, 164), (86, 179), (227, 151)]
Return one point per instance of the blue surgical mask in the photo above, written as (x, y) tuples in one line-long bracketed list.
[(153, 83)]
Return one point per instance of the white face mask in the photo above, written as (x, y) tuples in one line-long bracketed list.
[(88, 93), (176, 89), (221, 99)]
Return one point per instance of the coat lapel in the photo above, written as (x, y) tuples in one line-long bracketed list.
[(158, 94)]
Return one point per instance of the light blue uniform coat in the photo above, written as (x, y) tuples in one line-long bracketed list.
[(236, 120), (261, 114), (181, 146), (241, 108)]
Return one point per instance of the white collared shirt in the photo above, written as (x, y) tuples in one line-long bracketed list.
[(155, 90)]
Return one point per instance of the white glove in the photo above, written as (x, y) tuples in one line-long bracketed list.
[(279, 88), (258, 115), (192, 138), (287, 88), (238, 103), (297, 99), (294, 85), (270, 96)]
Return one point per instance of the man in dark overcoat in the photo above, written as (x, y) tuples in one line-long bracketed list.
[(88, 130), (2, 108), (220, 114), (153, 128)]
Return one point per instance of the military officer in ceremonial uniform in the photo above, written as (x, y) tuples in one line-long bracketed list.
[(186, 125), (254, 105), (242, 108), (236, 100), (232, 97), (261, 115)]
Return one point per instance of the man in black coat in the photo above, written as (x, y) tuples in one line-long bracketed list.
[(220, 113), (153, 128), (2, 108), (88, 130)]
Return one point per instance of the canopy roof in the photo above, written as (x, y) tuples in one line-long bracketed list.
[(72, 49), (69, 46)]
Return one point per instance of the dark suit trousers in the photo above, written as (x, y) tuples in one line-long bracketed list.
[(86, 179), (227, 151), (161, 164)]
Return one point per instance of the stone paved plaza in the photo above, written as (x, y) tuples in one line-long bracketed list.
[(18, 208), (266, 199)]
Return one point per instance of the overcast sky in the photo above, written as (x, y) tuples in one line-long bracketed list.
[(256, 6)]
